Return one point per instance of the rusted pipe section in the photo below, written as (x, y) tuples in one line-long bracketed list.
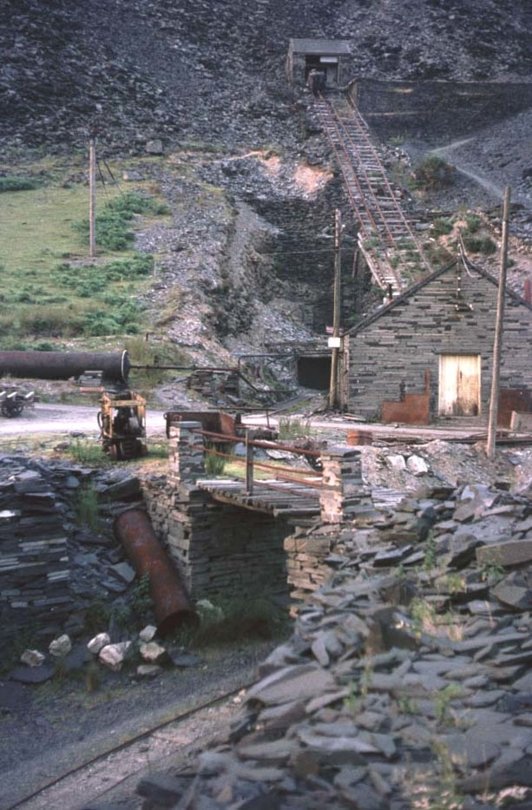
[(63, 365), (171, 602)]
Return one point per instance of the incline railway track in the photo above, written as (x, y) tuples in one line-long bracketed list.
[(167, 743), (386, 238)]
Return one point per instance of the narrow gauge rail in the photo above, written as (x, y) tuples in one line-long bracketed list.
[(386, 237), (31, 799)]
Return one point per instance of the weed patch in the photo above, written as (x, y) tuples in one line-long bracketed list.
[(113, 224), (88, 508), (87, 453), (442, 226), (14, 183), (433, 173), (214, 464), (236, 618), (480, 244)]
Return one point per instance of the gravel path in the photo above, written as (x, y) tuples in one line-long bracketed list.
[(49, 729)]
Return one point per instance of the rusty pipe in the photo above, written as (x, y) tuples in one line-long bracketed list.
[(171, 602), (63, 365)]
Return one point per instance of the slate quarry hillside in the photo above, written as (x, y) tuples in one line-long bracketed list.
[(215, 71)]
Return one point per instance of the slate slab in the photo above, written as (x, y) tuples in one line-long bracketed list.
[(512, 552), (290, 683)]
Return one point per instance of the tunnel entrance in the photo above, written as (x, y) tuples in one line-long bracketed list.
[(314, 371)]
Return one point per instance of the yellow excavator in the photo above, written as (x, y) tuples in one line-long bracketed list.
[(122, 422)]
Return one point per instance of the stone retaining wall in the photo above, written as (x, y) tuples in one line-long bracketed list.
[(437, 109), (219, 550)]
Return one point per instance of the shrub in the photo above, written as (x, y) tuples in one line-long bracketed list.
[(442, 226), (11, 183), (89, 280), (50, 321), (97, 617), (122, 320), (437, 254), (239, 617), (433, 173), (141, 601), (480, 244), (135, 203), (112, 223), (473, 222)]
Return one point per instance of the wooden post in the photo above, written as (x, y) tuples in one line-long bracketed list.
[(249, 465), (335, 356), (499, 326), (92, 196)]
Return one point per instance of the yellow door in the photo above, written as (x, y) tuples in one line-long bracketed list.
[(459, 390)]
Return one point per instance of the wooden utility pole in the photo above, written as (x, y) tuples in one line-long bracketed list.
[(334, 399), (92, 195), (499, 321)]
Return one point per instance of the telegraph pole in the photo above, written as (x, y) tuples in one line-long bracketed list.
[(92, 194), (499, 323), (334, 399)]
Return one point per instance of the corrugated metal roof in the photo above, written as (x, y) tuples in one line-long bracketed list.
[(331, 47)]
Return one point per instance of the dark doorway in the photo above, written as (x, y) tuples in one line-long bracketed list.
[(314, 371), (311, 63)]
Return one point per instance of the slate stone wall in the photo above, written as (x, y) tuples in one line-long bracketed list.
[(407, 339), (219, 550), (34, 558), (432, 108)]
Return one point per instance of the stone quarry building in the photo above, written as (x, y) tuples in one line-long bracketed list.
[(331, 56), (428, 353)]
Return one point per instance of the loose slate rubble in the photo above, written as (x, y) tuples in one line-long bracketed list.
[(407, 680), (51, 567)]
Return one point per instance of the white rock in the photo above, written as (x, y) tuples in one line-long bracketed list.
[(417, 465), (152, 652), (32, 658), (148, 633), (207, 610), (112, 655), (95, 644), (60, 647), (396, 461), (148, 670)]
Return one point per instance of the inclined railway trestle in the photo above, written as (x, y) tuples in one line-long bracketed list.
[(386, 238)]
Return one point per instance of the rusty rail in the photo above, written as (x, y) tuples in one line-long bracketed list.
[(284, 473), (379, 213)]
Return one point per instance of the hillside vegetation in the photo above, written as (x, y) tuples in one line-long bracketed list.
[(51, 290)]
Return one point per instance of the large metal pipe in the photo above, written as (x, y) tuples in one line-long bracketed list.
[(63, 365), (171, 602)]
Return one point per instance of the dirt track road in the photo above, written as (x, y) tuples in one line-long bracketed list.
[(66, 419), (82, 419)]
